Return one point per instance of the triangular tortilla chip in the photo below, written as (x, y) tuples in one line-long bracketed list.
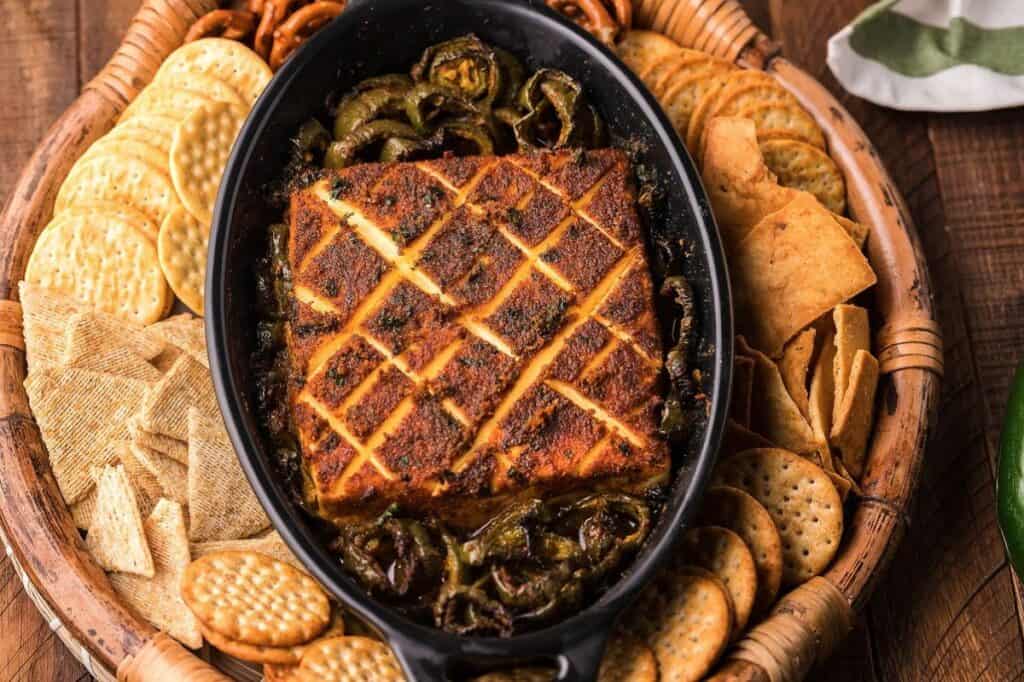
[(774, 415), (270, 544), (796, 360), (853, 333), (184, 332), (852, 426), (165, 410), (171, 447), (158, 599), (44, 317), (116, 539), (793, 267), (82, 416), (742, 389), (172, 476), (222, 505)]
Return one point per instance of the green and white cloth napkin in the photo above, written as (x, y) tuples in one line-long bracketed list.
[(934, 55)]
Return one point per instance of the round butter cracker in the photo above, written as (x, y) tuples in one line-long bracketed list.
[(801, 499), (349, 659), (119, 179), (123, 211), (211, 86), (155, 129), (113, 144), (803, 166), (228, 60), (199, 152), (252, 599), (102, 261), (182, 246), (176, 103), (725, 554)]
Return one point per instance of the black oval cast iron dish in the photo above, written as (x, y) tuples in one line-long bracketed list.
[(373, 37)]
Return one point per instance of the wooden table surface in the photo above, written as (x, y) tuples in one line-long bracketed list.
[(949, 607)]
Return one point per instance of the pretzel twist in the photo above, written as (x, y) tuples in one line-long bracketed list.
[(299, 26), (223, 23), (274, 14)]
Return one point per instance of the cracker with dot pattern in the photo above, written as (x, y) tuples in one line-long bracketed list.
[(176, 103), (725, 554), (253, 653), (738, 511), (199, 153), (686, 616), (119, 179), (627, 659), (228, 60), (801, 499), (181, 247), (253, 599), (102, 262), (349, 659)]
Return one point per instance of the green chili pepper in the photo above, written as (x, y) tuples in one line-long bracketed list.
[(480, 73), (343, 152), (312, 137), (1010, 482), (426, 102), (467, 138), (674, 417), (367, 106)]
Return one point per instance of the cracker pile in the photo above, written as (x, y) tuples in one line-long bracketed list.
[(804, 377), (138, 449), (132, 218)]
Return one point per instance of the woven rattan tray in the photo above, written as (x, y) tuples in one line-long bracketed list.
[(73, 593)]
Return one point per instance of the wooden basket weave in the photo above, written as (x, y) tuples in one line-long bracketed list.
[(73, 593)]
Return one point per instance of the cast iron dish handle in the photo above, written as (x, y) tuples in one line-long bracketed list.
[(577, 660)]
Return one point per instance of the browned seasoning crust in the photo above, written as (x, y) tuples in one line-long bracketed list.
[(466, 330)]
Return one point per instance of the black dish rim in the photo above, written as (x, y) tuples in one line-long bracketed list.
[(575, 643)]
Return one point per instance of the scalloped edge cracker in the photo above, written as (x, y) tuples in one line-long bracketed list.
[(852, 427), (82, 416), (199, 153), (228, 60), (181, 248), (158, 599), (222, 504), (793, 267), (116, 539)]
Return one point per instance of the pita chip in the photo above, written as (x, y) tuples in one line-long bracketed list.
[(792, 268), (83, 416), (742, 389), (116, 538), (852, 425), (740, 187), (222, 505), (774, 414), (795, 361), (158, 598), (165, 409), (853, 333)]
